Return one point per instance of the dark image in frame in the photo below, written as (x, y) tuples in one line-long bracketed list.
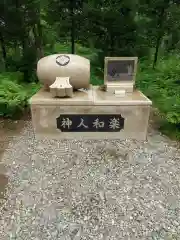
[(120, 69)]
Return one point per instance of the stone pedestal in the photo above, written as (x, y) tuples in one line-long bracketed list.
[(53, 117)]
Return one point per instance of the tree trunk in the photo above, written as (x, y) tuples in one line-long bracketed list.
[(160, 33), (158, 43), (72, 3), (3, 47), (37, 31), (112, 42)]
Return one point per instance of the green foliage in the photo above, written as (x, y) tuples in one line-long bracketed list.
[(91, 54), (163, 87), (13, 96), (12, 99), (95, 80), (11, 76)]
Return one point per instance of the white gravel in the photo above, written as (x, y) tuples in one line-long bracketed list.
[(72, 190)]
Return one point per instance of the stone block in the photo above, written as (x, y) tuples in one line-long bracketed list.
[(134, 109)]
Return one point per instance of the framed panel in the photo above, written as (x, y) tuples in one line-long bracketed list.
[(119, 70)]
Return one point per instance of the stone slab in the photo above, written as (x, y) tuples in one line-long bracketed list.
[(107, 98), (128, 88), (80, 97), (134, 109)]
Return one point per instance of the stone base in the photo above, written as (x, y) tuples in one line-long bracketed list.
[(127, 87), (133, 108)]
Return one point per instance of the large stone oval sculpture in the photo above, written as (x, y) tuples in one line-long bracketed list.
[(75, 67)]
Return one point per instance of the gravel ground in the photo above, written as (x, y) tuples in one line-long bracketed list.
[(72, 190)]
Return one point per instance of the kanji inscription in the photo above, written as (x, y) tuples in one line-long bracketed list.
[(90, 123)]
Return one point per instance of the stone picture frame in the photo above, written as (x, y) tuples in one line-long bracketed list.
[(113, 75)]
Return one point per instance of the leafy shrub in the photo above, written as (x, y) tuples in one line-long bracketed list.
[(13, 96), (11, 76), (12, 99), (162, 85), (95, 80)]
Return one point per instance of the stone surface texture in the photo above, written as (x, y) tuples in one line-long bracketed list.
[(61, 88), (133, 108), (75, 67), (128, 88), (108, 190)]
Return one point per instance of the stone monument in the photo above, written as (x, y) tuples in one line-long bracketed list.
[(68, 107), (120, 74)]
